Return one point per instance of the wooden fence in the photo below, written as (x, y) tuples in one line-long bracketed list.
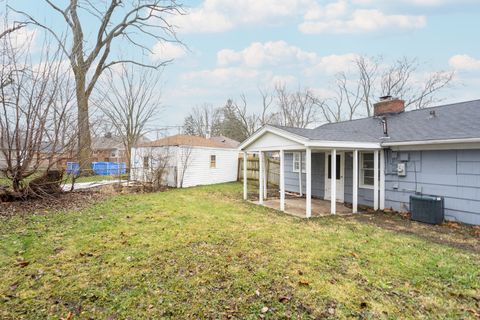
[(272, 167)]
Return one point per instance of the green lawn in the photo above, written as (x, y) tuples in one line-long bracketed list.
[(204, 253)]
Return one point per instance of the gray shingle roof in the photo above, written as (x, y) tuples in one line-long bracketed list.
[(452, 121)]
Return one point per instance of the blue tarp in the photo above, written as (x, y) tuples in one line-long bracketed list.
[(73, 168), (109, 168), (100, 168)]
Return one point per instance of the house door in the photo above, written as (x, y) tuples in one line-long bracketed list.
[(340, 174)]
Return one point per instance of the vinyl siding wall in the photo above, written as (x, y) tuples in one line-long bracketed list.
[(318, 175), (453, 174), (198, 171), (365, 196)]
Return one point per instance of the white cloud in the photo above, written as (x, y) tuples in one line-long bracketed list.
[(332, 64), (221, 75), (287, 80), (339, 18), (223, 15), (272, 53), (163, 51), (464, 62), (421, 3), (280, 54)]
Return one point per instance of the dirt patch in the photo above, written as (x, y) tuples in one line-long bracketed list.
[(457, 235), (65, 201)]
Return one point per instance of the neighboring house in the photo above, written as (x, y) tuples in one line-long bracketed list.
[(187, 160), (380, 161), (108, 148)]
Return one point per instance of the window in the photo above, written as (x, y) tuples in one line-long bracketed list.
[(213, 161), (337, 167), (367, 173), (296, 162), (146, 162)]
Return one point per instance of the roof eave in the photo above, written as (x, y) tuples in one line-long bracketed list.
[(428, 142), (268, 128)]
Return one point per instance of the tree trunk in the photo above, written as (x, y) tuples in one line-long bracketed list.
[(84, 136), (128, 155), (16, 184)]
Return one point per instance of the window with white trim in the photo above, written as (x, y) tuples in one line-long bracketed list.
[(296, 162), (367, 170), (213, 161)]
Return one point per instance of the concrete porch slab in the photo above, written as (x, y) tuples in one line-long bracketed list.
[(296, 207)]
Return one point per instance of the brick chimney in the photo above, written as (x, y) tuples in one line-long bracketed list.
[(388, 105)]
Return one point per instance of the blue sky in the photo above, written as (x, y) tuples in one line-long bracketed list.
[(239, 46)]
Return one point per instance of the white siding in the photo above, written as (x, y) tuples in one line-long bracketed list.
[(198, 171), (138, 172), (272, 141)]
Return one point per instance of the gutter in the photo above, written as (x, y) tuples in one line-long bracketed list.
[(427, 142)]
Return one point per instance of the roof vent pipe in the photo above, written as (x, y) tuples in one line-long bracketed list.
[(385, 126)]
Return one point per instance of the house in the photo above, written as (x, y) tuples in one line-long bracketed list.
[(186, 161), (108, 148), (381, 160)]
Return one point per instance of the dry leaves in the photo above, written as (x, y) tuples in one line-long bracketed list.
[(303, 282)]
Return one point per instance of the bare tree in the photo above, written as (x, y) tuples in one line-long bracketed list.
[(356, 92), (238, 118), (203, 121), (130, 21), (156, 168), (237, 123), (345, 103), (130, 99), (297, 109), (35, 109), (399, 81), (186, 158)]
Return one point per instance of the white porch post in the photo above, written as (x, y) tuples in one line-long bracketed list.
[(265, 176), (282, 180), (382, 179), (355, 182), (300, 189), (245, 160), (333, 180), (375, 180), (308, 164), (260, 177)]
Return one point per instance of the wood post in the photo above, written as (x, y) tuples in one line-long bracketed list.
[(282, 180), (375, 180), (333, 182), (308, 164), (382, 179), (245, 178), (355, 182), (260, 177)]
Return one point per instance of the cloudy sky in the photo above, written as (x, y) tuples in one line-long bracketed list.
[(238, 46)]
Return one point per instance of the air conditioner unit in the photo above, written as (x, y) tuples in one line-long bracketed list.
[(428, 209)]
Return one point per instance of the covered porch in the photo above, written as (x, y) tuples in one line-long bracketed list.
[(296, 206), (323, 186)]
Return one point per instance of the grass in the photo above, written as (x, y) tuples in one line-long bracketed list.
[(204, 253)]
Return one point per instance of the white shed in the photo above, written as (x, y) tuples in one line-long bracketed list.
[(186, 161)]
